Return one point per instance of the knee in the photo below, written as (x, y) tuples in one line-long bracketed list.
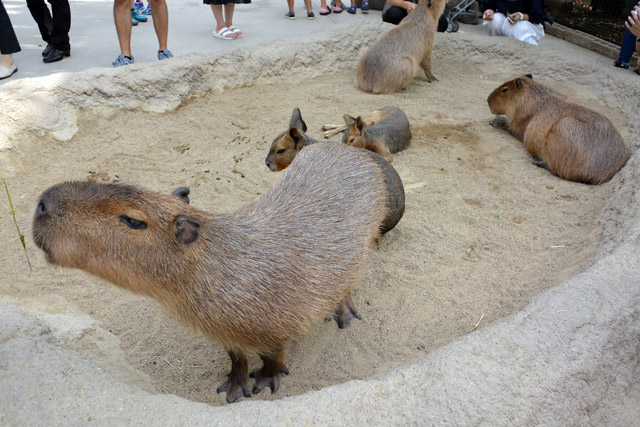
[(394, 15)]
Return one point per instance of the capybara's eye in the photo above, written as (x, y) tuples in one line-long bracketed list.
[(351, 140), (504, 89), (133, 223), (282, 150)]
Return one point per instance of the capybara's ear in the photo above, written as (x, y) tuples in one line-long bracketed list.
[(361, 125), (529, 75), (187, 229), (519, 83), (296, 135), (183, 193), (296, 120), (348, 120)]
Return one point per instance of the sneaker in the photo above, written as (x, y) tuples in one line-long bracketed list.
[(134, 22), (164, 54), (290, 15), (311, 15), (136, 15), (620, 64), (146, 10), (138, 5), (122, 60)]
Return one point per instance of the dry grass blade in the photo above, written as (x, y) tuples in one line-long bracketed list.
[(13, 214)]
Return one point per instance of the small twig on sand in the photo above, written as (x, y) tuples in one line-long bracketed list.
[(477, 324), (13, 214), (165, 359)]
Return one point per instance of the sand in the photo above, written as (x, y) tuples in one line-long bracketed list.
[(484, 229)]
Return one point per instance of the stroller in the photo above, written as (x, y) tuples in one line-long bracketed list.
[(461, 8)]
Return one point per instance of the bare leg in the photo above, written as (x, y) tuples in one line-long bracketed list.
[(270, 373), (290, 4), (237, 383), (122, 18), (220, 19), (308, 4), (7, 60), (160, 17)]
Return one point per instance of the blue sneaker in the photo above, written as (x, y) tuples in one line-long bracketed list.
[(138, 5), (134, 22), (164, 54), (146, 10), (136, 15), (122, 60)]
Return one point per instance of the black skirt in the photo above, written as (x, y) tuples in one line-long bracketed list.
[(226, 1)]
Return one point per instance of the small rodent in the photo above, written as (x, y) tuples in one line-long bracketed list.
[(251, 280), (569, 140), (391, 63), (287, 145), (384, 132)]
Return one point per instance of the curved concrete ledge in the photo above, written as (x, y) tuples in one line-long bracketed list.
[(570, 357)]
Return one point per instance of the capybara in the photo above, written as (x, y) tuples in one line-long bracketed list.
[(288, 144), (571, 141), (387, 132), (391, 63), (251, 280)]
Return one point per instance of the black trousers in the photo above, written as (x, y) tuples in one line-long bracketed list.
[(395, 14), (54, 29), (8, 40)]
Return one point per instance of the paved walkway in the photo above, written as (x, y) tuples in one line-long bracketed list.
[(94, 42)]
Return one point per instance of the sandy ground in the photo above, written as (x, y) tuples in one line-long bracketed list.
[(484, 230)]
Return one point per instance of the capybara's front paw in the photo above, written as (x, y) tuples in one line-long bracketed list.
[(344, 312), (234, 390), (500, 122), (268, 376)]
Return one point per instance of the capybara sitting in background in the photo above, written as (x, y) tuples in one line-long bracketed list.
[(287, 145), (251, 280), (384, 132), (391, 63), (569, 140)]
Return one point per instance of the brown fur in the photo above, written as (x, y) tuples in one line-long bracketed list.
[(251, 280), (384, 132), (391, 63), (287, 145), (576, 143)]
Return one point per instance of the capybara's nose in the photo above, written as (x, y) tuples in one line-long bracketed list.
[(269, 164), (42, 208)]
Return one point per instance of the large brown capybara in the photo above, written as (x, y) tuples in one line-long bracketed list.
[(391, 63), (571, 141), (385, 131), (251, 280), (287, 145)]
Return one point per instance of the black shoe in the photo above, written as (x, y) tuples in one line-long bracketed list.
[(47, 50), (56, 55), (617, 63)]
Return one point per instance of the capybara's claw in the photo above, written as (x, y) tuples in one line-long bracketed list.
[(234, 390), (268, 377)]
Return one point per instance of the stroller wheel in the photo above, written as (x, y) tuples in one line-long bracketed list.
[(452, 26), (455, 26)]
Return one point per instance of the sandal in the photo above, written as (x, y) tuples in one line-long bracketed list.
[(365, 5), (337, 9), (237, 31), (224, 34), (352, 9), (324, 12)]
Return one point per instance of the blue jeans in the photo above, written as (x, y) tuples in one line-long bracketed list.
[(627, 48)]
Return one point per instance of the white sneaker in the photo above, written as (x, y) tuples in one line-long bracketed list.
[(7, 72)]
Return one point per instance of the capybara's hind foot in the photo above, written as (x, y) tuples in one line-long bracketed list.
[(270, 373), (500, 122), (234, 390), (236, 385), (541, 164), (344, 312)]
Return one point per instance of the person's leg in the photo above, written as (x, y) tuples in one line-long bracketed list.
[(219, 15), (627, 48), (61, 24), (122, 18), (307, 3), (160, 22), (8, 42), (494, 27), (40, 13), (290, 4), (229, 8), (394, 15)]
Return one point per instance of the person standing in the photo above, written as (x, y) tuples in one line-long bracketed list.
[(630, 40), (8, 45), (122, 18), (54, 28)]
